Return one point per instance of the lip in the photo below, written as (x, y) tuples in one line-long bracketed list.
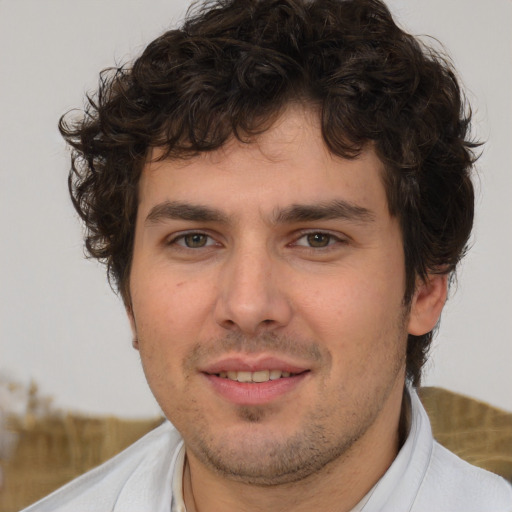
[(246, 363), (252, 393)]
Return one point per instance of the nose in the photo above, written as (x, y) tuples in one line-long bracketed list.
[(251, 298)]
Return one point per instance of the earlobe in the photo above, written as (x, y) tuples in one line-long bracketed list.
[(427, 303), (131, 318)]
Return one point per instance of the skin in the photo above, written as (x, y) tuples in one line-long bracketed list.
[(253, 279)]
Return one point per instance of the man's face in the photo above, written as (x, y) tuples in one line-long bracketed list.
[(277, 263)]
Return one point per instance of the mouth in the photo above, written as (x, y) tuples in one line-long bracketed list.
[(242, 381), (256, 377)]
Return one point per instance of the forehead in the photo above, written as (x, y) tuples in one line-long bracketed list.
[(288, 163)]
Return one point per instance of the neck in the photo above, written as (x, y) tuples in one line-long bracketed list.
[(339, 486)]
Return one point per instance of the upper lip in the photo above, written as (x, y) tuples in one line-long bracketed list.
[(250, 363)]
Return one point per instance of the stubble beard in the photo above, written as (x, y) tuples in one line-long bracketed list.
[(259, 459), (271, 462)]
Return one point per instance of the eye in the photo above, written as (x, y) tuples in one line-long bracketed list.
[(317, 240), (193, 240)]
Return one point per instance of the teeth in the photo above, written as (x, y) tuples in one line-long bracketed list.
[(260, 376), (244, 377)]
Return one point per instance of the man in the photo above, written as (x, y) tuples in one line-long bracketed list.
[(281, 190)]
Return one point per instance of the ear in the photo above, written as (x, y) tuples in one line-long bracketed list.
[(427, 303), (131, 318)]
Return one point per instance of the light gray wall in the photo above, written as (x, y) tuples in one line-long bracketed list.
[(59, 322)]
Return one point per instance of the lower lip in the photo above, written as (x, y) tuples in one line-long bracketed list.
[(254, 393)]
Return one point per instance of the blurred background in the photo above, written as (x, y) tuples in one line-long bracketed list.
[(62, 328)]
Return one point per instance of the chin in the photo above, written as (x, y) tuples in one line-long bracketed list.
[(264, 455)]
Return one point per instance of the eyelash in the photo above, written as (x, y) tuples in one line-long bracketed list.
[(333, 240), (182, 236)]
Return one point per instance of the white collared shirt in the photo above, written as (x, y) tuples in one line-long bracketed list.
[(178, 502), (424, 477)]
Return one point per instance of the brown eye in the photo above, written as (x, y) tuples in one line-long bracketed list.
[(318, 239), (195, 240)]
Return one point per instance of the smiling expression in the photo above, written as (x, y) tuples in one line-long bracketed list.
[(266, 294)]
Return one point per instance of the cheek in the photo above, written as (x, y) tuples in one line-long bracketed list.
[(360, 321), (162, 293), (168, 315), (355, 302)]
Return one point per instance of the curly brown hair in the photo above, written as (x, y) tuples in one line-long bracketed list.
[(231, 70)]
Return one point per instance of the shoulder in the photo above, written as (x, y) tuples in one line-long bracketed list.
[(99, 489), (451, 484)]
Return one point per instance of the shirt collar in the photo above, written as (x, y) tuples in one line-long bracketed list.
[(399, 486), (178, 503), (400, 483)]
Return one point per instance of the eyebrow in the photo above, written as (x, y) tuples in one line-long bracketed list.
[(337, 209), (184, 211)]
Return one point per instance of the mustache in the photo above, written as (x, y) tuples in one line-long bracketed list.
[(271, 342)]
